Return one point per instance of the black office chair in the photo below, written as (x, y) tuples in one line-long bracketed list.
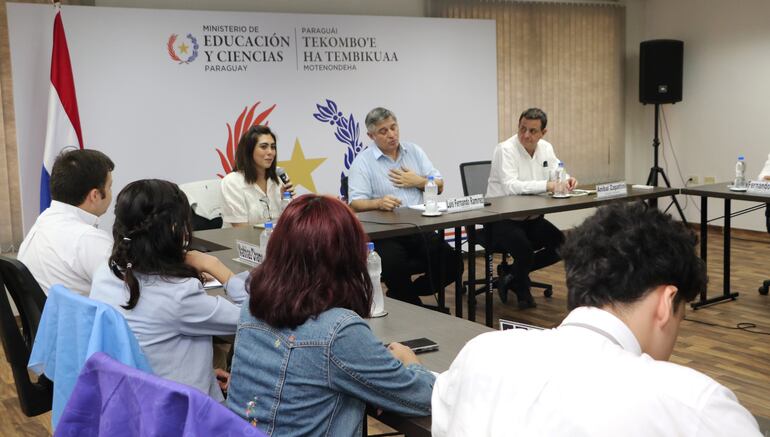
[(208, 192), (475, 176), (766, 284), (35, 397)]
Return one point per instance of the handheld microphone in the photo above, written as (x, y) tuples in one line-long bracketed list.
[(282, 175)]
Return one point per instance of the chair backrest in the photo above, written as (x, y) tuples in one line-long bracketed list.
[(104, 402), (205, 197), (344, 186), (72, 328), (474, 176), (206, 201), (34, 396)]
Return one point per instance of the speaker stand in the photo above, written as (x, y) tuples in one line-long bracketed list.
[(656, 170)]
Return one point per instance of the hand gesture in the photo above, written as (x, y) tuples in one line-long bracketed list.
[(287, 187), (405, 178), (388, 203), (571, 183), (403, 353), (223, 378)]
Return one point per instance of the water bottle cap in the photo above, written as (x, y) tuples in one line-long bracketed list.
[(286, 195), (370, 246), (740, 157), (561, 164), (268, 225), (430, 178)]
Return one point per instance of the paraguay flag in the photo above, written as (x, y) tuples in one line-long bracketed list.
[(63, 126)]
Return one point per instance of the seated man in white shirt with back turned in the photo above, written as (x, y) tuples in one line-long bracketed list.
[(64, 245), (604, 371)]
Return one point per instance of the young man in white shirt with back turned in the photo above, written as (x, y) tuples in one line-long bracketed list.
[(604, 371), (64, 245)]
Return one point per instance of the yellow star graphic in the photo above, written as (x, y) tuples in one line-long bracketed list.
[(299, 168), (183, 48)]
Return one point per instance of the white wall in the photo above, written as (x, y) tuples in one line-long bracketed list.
[(726, 66), (352, 7), (726, 93)]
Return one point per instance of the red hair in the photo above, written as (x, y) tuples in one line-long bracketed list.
[(316, 260)]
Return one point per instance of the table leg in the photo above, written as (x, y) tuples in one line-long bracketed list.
[(726, 294), (459, 278), (488, 303), (438, 280), (471, 290)]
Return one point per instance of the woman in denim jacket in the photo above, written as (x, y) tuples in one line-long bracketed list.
[(305, 361)]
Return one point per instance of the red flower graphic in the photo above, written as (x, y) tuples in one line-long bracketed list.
[(242, 124)]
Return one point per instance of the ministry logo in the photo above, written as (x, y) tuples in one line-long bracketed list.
[(183, 51)]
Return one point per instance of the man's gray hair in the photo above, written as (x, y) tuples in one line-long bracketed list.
[(376, 115)]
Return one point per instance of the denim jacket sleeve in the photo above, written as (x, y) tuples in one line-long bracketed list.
[(362, 367)]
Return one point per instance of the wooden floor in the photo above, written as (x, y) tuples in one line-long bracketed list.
[(740, 360)]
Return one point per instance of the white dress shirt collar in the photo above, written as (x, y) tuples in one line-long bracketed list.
[(83, 215), (603, 323)]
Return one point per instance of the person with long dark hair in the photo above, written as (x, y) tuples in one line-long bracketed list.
[(156, 283), (305, 361), (252, 191)]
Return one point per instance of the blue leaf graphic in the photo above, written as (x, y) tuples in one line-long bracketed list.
[(332, 106), (325, 111), (320, 118), (344, 134), (350, 155)]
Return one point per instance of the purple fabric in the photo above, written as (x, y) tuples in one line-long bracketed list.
[(111, 399)]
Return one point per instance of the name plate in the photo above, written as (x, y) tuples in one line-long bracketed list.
[(759, 187), (466, 203), (612, 189), (250, 254)]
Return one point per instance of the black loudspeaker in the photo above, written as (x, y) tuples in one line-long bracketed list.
[(660, 71)]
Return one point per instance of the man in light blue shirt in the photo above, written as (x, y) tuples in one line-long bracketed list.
[(389, 174)]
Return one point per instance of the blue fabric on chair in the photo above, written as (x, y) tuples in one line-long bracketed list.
[(111, 399), (72, 328)]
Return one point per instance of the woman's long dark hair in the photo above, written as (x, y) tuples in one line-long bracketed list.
[(316, 260), (152, 230), (244, 154)]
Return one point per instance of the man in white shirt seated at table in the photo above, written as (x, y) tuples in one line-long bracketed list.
[(64, 245), (521, 165), (604, 371)]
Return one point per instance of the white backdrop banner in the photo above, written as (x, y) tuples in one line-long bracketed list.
[(166, 94)]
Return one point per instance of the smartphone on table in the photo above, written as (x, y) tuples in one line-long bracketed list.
[(419, 345)]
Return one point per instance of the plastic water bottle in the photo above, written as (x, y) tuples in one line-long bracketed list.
[(560, 181), (285, 200), (374, 266), (431, 196), (265, 236), (740, 173)]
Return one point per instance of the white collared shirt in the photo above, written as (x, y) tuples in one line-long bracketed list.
[(587, 377), (515, 172), (247, 203), (65, 247)]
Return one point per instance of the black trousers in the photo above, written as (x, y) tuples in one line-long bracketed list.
[(533, 244), (405, 256)]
